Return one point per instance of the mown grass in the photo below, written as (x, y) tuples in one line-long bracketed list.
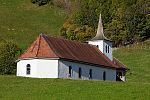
[(21, 21), (17, 88)]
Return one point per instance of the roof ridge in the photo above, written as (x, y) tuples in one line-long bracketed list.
[(38, 45), (46, 39), (65, 40), (32, 47), (73, 41)]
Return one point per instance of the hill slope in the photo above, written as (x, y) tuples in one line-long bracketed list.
[(137, 58), (21, 21)]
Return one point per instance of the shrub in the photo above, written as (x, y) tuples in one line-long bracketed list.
[(40, 2), (9, 52)]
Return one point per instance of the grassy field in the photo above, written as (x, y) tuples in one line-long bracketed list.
[(17, 88), (137, 58), (21, 21)]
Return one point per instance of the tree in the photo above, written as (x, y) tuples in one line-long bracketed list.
[(9, 52), (72, 31), (124, 21)]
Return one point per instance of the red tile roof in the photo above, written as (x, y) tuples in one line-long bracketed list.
[(39, 49), (50, 47)]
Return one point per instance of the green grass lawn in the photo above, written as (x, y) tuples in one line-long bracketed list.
[(17, 88), (21, 21)]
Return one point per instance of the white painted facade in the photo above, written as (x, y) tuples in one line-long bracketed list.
[(40, 68), (98, 43), (104, 46), (97, 72)]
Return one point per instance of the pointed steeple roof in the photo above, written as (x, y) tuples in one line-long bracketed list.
[(100, 32)]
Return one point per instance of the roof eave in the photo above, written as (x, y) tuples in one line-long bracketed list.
[(83, 62), (31, 58)]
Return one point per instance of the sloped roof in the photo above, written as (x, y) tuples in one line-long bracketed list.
[(50, 47), (119, 64), (39, 49)]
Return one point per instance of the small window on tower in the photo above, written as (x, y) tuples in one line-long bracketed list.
[(106, 48)]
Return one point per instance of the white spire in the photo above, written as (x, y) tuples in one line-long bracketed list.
[(100, 28), (100, 32)]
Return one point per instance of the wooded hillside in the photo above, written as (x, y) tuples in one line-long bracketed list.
[(125, 21)]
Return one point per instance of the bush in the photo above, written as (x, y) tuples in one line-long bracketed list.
[(34, 1), (9, 52), (40, 2)]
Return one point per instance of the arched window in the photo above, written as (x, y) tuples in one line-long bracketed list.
[(90, 74), (80, 72), (104, 75), (70, 71), (97, 46), (28, 69), (106, 48)]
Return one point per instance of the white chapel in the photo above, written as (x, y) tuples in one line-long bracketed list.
[(50, 57)]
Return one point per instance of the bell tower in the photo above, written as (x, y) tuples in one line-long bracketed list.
[(101, 42)]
